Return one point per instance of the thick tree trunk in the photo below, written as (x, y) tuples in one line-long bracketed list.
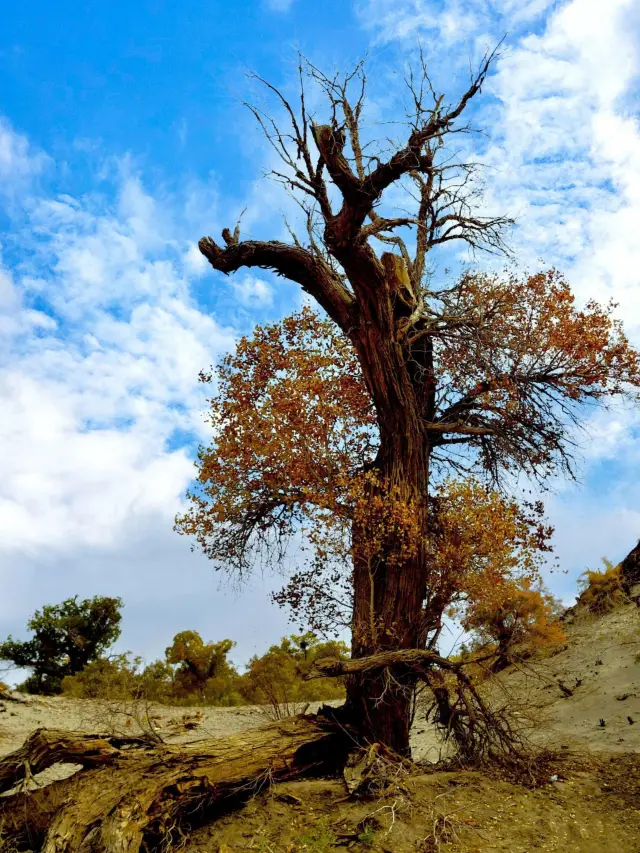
[(389, 594), (132, 795), (390, 586)]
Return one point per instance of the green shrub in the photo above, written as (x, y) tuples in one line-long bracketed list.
[(106, 678)]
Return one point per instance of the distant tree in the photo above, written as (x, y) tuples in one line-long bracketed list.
[(66, 637), (202, 668), (517, 619), (276, 678)]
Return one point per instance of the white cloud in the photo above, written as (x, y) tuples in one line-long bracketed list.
[(98, 380), (101, 343), (18, 162), (252, 292)]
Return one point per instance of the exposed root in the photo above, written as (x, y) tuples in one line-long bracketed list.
[(480, 734)]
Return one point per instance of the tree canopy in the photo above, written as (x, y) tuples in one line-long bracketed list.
[(66, 637)]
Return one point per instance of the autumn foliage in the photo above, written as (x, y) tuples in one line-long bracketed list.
[(601, 591), (296, 435), (515, 622), (277, 681), (485, 375)]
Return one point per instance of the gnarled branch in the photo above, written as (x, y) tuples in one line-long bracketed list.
[(297, 264)]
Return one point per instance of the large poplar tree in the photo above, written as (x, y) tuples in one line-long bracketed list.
[(487, 373)]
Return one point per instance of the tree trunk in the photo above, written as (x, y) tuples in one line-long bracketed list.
[(131, 795), (389, 594)]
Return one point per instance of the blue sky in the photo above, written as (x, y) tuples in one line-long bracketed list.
[(123, 140)]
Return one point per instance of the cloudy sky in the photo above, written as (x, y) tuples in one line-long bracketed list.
[(123, 140)]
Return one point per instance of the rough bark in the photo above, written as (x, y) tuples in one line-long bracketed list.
[(630, 569), (333, 667), (130, 796)]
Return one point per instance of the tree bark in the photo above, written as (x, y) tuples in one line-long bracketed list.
[(389, 595), (630, 569), (389, 590), (131, 795)]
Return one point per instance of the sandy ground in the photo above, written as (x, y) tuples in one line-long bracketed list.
[(601, 667), (588, 810)]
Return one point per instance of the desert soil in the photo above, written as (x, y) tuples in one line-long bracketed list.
[(593, 805)]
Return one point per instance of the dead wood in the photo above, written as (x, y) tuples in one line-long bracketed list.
[(332, 667), (5, 696), (132, 795)]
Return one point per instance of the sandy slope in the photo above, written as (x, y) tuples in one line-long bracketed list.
[(601, 666)]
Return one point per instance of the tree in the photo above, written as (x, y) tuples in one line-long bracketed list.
[(488, 373), (277, 678), (201, 667), (66, 637), (518, 619), (294, 410)]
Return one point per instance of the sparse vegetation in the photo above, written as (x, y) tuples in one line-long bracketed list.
[(603, 590), (321, 838), (198, 673)]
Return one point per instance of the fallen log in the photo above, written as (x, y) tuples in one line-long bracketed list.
[(132, 795), (5, 696)]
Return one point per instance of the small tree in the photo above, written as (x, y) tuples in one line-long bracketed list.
[(66, 637), (202, 668), (517, 619), (276, 679)]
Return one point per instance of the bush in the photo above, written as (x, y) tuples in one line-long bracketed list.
[(276, 679), (106, 678), (516, 622), (602, 591)]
